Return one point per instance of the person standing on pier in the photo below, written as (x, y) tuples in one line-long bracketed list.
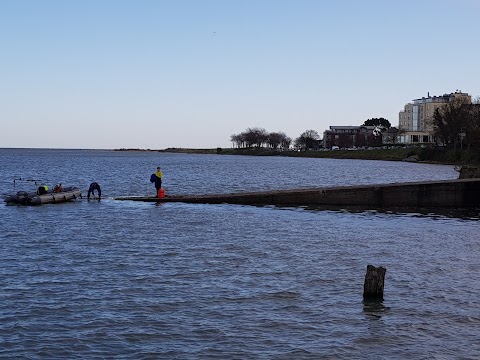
[(157, 179)]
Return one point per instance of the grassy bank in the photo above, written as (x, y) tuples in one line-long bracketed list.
[(431, 155)]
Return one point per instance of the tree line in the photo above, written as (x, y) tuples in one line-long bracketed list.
[(258, 137)]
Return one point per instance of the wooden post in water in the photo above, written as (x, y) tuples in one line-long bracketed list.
[(374, 283)]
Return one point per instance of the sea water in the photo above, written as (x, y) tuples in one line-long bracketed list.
[(116, 279)]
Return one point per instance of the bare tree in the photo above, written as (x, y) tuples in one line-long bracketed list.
[(275, 139), (237, 140), (452, 121), (390, 136), (254, 137), (286, 141), (308, 140), (472, 132)]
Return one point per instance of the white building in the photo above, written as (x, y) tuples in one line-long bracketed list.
[(416, 121)]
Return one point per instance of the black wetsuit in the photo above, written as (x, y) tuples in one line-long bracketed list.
[(94, 186)]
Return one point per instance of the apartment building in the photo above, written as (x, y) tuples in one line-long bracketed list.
[(350, 137), (415, 122)]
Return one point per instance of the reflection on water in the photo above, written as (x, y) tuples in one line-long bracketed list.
[(374, 309), (439, 212)]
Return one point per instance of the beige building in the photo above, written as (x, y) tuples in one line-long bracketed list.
[(416, 121)]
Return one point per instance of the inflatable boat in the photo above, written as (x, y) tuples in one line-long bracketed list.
[(32, 198)]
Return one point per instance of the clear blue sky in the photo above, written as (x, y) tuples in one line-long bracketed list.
[(155, 74)]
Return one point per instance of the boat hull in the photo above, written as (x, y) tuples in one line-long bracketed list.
[(25, 198)]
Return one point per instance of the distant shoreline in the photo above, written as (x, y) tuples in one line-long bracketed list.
[(425, 155)]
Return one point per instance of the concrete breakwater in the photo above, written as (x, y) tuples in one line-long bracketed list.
[(460, 193)]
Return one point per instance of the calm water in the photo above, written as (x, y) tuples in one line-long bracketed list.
[(131, 280)]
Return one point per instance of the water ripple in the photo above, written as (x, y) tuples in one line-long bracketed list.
[(131, 280)]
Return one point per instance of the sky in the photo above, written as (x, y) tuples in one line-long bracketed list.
[(154, 74)]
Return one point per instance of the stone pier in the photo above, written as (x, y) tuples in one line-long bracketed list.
[(460, 193)]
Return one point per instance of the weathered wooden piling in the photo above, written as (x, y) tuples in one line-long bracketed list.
[(374, 283)]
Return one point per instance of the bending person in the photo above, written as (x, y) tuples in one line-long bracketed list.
[(42, 190), (91, 190)]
